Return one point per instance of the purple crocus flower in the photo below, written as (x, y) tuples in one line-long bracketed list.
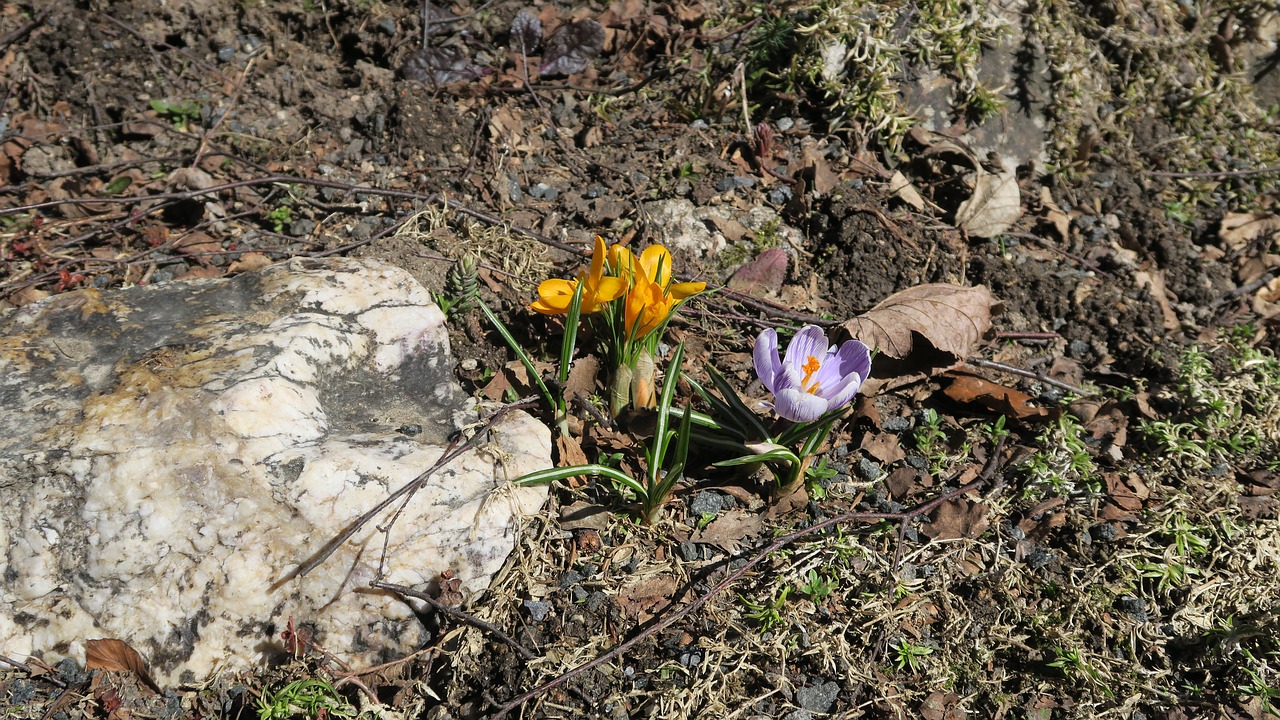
[(815, 378)]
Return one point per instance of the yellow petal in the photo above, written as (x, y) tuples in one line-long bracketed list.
[(597, 261), (554, 296), (609, 289), (680, 291), (623, 262), (656, 262)]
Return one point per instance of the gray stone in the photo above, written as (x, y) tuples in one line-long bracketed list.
[(706, 502), (680, 225), (820, 697), (169, 454)]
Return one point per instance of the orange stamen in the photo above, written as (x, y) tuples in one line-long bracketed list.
[(810, 367)]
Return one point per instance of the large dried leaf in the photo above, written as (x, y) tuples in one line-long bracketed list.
[(572, 47), (116, 656), (994, 207), (440, 65), (1239, 229), (953, 318), (526, 32)]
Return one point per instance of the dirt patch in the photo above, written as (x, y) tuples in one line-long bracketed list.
[(1121, 562)]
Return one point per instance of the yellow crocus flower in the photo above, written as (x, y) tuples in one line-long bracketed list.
[(651, 298), (555, 295)]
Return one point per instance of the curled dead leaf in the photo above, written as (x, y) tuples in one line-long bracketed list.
[(996, 204), (953, 318), (117, 656), (970, 389)]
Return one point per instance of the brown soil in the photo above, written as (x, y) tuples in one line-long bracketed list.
[(110, 103)]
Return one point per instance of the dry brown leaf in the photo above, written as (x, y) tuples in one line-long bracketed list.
[(117, 656), (958, 518), (729, 530), (996, 204), (970, 389), (201, 272), (953, 318), (570, 452), (1055, 215), (646, 597), (249, 261), (583, 515), (902, 188), (1153, 278), (886, 448), (28, 295), (1239, 229)]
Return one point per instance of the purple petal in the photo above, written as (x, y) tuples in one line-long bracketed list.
[(809, 342), (854, 357), (799, 406), (788, 378), (839, 394), (766, 359)]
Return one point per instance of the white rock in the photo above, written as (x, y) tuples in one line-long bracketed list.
[(168, 454)]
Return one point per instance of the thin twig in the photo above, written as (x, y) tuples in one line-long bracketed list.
[(993, 462), (27, 669), (1029, 374), (456, 614), (770, 309), (1215, 173), (25, 30)]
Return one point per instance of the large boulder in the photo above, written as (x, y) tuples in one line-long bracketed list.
[(169, 454)]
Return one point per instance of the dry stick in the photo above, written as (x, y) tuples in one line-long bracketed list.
[(26, 668), (23, 31), (1028, 335), (451, 453), (905, 516), (771, 309), (456, 614), (1215, 173), (1030, 374)]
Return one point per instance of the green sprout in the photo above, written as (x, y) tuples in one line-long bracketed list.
[(280, 218), (664, 462), (181, 114), (768, 614), (907, 654), (816, 587), (312, 699)]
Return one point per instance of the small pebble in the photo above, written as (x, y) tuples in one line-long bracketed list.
[(597, 601), (226, 54), (580, 593), (897, 424), (410, 430), (386, 26), (538, 609), (469, 364), (689, 551), (785, 124), (733, 182), (571, 577), (691, 659), (543, 191), (699, 124), (818, 698), (780, 196), (706, 502), (868, 470)]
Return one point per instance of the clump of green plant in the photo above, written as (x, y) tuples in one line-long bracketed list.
[(312, 698), (1230, 409), (848, 57), (280, 218), (1062, 465), (910, 655)]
